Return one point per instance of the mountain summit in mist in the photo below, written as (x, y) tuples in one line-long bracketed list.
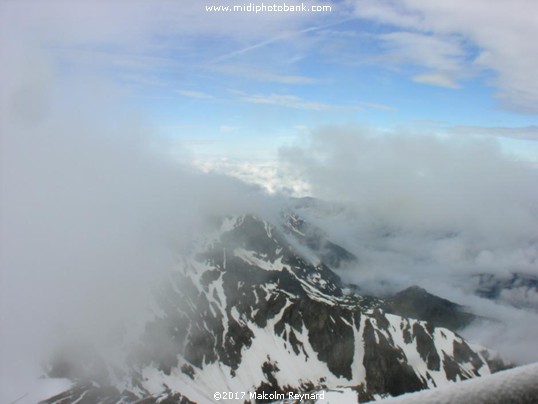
[(252, 309)]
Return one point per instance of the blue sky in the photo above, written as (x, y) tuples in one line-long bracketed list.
[(242, 84)]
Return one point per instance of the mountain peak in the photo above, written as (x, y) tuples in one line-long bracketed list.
[(253, 309), (417, 302)]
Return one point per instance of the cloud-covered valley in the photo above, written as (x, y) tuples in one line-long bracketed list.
[(427, 210)]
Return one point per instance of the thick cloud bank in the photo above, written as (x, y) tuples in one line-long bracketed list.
[(453, 202), (429, 211), (93, 211)]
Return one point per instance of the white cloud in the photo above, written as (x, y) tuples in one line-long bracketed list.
[(92, 208), (390, 12), (442, 201), (153, 38), (442, 56), (272, 176), (428, 211), (499, 32)]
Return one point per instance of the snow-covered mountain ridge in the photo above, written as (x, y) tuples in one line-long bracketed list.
[(249, 311)]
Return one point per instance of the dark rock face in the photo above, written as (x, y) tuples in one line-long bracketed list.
[(464, 353), (426, 347), (329, 332), (250, 285), (385, 372)]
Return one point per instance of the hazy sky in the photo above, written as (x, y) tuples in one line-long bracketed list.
[(241, 84)]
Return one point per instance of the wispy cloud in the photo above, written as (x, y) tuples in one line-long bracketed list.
[(442, 56), (228, 128), (256, 73), (521, 133), (375, 105), (250, 48), (194, 94), (292, 101), (437, 79), (491, 36), (281, 35)]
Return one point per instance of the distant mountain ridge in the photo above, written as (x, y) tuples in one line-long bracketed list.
[(516, 289)]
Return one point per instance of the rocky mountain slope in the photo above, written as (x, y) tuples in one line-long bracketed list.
[(254, 309)]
